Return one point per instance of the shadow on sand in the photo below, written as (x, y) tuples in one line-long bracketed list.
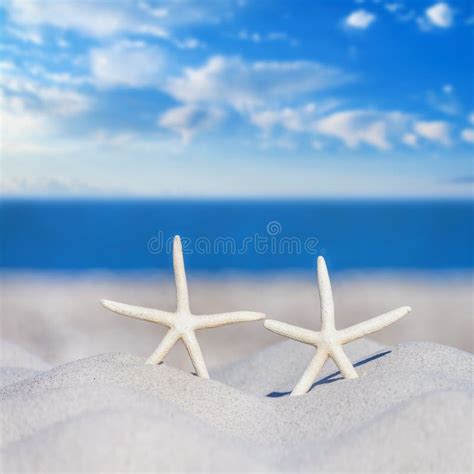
[(333, 377)]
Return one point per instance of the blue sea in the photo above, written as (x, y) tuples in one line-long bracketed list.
[(243, 235)]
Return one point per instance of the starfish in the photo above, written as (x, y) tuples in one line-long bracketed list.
[(329, 340), (182, 323)]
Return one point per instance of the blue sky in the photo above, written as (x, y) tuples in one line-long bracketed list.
[(237, 98)]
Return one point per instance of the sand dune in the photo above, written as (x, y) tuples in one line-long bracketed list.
[(409, 410)]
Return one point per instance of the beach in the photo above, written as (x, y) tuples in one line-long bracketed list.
[(77, 395), (59, 316)]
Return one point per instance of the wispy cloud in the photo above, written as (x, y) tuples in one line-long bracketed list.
[(103, 19), (30, 35), (444, 100), (393, 7), (258, 91), (246, 85), (64, 187), (401, 12), (33, 94), (256, 37), (127, 63), (297, 119), (289, 118), (100, 19), (356, 127), (187, 120)]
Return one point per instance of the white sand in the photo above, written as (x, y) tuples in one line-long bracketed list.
[(16, 363), (410, 410), (60, 318)]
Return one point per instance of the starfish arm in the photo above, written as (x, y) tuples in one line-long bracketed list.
[(311, 372), (343, 362), (293, 332), (182, 295), (165, 346), (139, 312), (367, 327), (215, 320), (195, 353), (325, 296)]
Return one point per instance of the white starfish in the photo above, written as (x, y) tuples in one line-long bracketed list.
[(329, 340), (182, 322)]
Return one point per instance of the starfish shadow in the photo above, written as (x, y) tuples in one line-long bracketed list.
[(332, 377), (190, 373)]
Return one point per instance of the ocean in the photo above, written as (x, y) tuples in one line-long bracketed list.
[(237, 235)]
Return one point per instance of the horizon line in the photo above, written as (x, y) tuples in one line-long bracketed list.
[(234, 198)]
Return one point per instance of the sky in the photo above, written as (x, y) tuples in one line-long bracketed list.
[(237, 98)]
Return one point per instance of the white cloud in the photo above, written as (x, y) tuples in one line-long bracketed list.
[(54, 101), (292, 119), (7, 66), (189, 119), (32, 113), (105, 19), (468, 135), (157, 12), (247, 86), (288, 118), (356, 127), (435, 131), (257, 90), (64, 78), (63, 102), (379, 129), (30, 129), (439, 15), (18, 121), (99, 19), (126, 63), (360, 19), (410, 139), (470, 118)]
